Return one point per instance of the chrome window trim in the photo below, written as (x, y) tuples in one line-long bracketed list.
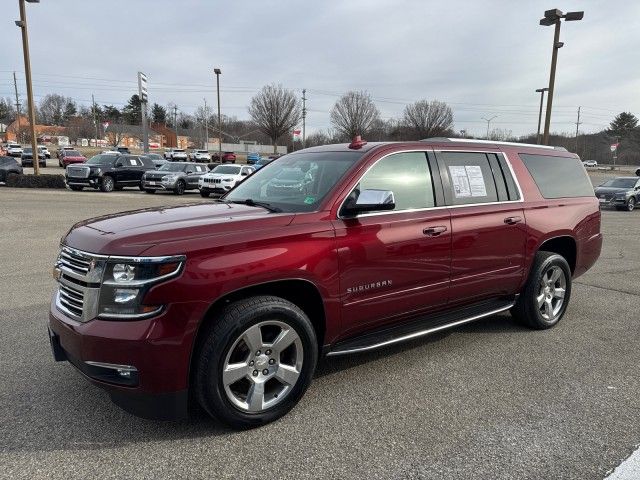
[(411, 210), (112, 366)]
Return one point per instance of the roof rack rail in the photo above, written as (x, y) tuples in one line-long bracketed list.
[(491, 142)]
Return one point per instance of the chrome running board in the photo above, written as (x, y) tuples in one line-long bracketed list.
[(415, 329)]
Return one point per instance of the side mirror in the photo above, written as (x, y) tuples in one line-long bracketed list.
[(369, 201), (189, 172), (244, 174)]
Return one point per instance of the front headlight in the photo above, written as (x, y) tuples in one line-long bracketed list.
[(169, 178), (126, 282)]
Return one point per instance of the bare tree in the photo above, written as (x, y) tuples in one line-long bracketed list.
[(426, 119), (275, 111), (52, 109), (501, 135), (354, 114), (115, 132)]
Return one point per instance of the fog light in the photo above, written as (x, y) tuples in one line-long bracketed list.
[(124, 295)]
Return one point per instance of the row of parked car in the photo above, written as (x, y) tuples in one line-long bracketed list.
[(113, 170)]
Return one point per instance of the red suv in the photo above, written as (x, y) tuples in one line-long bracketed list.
[(360, 246)]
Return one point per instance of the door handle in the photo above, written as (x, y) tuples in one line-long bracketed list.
[(512, 220), (434, 231)]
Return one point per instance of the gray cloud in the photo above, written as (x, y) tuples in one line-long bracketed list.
[(484, 58)]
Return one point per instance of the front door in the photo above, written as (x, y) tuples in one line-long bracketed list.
[(394, 263)]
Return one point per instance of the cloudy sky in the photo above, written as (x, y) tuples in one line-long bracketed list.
[(485, 58)]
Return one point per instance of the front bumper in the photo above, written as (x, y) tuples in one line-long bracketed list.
[(158, 185), (84, 182), (613, 202), (142, 364)]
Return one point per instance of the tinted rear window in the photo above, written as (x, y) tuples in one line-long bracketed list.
[(558, 177)]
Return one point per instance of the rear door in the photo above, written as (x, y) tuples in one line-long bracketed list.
[(395, 263), (488, 224)]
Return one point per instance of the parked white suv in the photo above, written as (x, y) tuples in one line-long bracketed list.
[(14, 150), (201, 156), (223, 178), (179, 155)]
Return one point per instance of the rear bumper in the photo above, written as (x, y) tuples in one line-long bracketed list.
[(143, 365)]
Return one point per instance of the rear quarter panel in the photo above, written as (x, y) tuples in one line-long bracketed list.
[(578, 218)]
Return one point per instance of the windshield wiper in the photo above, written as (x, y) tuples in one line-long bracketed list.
[(253, 203)]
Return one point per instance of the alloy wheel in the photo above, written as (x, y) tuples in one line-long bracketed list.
[(553, 286), (262, 366), (631, 204)]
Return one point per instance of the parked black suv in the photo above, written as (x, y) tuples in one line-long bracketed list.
[(108, 172), (27, 158)]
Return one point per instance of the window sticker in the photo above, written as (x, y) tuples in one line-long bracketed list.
[(467, 181), (132, 161), (309, 200)]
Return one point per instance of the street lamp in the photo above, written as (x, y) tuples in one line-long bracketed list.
[(554, 17), (217, 71), (541, 92), (488, 120), (22, 23)]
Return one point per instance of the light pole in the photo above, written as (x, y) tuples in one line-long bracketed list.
[(217, 71), (22, 23), (488, 120), (554, 17), (541, 92)]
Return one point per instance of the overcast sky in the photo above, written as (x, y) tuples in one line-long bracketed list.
[(484, 58)]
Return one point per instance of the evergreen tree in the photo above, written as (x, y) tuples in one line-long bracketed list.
[(132, 112), (623, 125), (158, 113)]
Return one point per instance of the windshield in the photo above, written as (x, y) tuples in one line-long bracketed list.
[(72, 153), (27, 150), (227, 169), (296, 182), (620, 183), (171, 167), (104, 159)]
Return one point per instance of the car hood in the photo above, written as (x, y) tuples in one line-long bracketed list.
[(222, 175), (605, 190), (171, 230), (164, 172)]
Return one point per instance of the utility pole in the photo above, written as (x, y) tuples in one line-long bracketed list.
[(142, 93), (541, 92), (175, 123), (95, 117), (304, 117), (27, 71), (15, 86), (206, 125), (578, 122), (488, 120), (217, 71)]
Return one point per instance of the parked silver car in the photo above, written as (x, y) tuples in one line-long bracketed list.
[(174, 176)]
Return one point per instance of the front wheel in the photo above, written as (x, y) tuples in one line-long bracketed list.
[(180, 187), (546, 294), (631, 204), (256, 361), (107, 184)]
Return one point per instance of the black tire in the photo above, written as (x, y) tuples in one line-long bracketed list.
[(60, 164), (204, 194), (180, 187), (527, 309), (108, 184), (76, 188), (149, 190), (234, 320), (631, 204)]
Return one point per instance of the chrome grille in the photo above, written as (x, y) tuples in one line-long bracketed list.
[(74, 262), (71, 300), (212, 180), (78, 172), (152, 177)]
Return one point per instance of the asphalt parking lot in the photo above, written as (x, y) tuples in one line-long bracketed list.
[(491, 400)]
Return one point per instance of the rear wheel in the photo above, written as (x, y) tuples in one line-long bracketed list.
[(107, 184), (546, 294), (256, 361), (631, 204)]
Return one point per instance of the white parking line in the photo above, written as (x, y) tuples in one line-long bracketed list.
[(627, 470)]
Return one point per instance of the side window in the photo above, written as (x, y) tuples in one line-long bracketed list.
[(470, 178), (407, 175), (558, 177)]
